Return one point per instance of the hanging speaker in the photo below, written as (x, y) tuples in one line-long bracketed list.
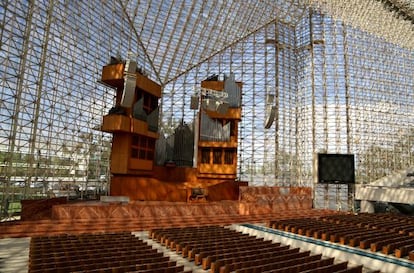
[(129, 92), (270, 111), (130, 80), (194, 102)]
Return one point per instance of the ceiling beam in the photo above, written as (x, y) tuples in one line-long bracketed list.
[(405, 11), (221, 50)]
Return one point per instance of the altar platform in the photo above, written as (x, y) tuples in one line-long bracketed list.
[(255, 205)]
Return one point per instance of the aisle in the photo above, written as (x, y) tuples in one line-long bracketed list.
[(14, 255)]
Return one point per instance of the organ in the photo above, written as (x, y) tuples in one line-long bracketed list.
[(198, 160)]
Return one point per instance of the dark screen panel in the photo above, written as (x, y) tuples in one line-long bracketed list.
[(336, 168)]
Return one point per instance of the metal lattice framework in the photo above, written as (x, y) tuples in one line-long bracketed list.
[(341, 73)]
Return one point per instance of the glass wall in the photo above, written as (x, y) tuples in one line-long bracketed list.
[(337, 88)]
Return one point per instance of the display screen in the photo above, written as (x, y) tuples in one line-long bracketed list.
[(336, 168)]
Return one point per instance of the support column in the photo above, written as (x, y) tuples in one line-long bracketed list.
[(17, 104), (32, 172), (276, 121)]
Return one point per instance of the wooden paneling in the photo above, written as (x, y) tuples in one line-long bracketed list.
[(40, 208), (232, 113), (148, 189), (216, 85), (116, 123), (141, 127), (127, 156), (213, 160), (176, 174), (148, 85), (114, 76), (152, 189), (217, 144), (121, 144), (141, 212), (227, 190), (140, 164), (121, 123), (217, 168), (262, 200)]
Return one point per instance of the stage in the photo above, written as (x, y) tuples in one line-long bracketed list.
[(255, 205), (251, 201)]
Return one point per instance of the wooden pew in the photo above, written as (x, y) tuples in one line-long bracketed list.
[(389, 248), (107, 252), (403, 251), (279, 265), (215, 262), (351, 237), (166, 269), (166, 237), (111, 260), (328, 268), (251, 242), (367, 241), (355, 269), (302, 266), (378, 245), (190, 249), (253, 261), (219, 250), (411, 255)]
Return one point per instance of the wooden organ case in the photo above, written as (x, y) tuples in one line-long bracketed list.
[(135, 126), (219, 119), (133, 121)]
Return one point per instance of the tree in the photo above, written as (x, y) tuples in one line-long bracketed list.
[(379, 161)]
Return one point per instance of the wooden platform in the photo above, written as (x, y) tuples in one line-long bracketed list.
[(100, 217), (255, 205), (142, 209)]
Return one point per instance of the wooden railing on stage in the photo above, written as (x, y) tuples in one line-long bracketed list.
[(261, 200), (36, 209)]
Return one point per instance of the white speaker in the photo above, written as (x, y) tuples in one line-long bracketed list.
[(129, 92), (270, 111), (130, 80)]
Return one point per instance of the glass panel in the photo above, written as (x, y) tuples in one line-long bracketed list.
[(205, 156), (217, 156), (228, 157)]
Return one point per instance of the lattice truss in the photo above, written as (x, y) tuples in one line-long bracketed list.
[(341, 73)]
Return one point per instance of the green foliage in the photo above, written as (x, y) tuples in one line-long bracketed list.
[(94, 152), (378, 161)]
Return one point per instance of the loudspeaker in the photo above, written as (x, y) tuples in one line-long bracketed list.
[(130, 80), (194, 102), (129, 92)]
